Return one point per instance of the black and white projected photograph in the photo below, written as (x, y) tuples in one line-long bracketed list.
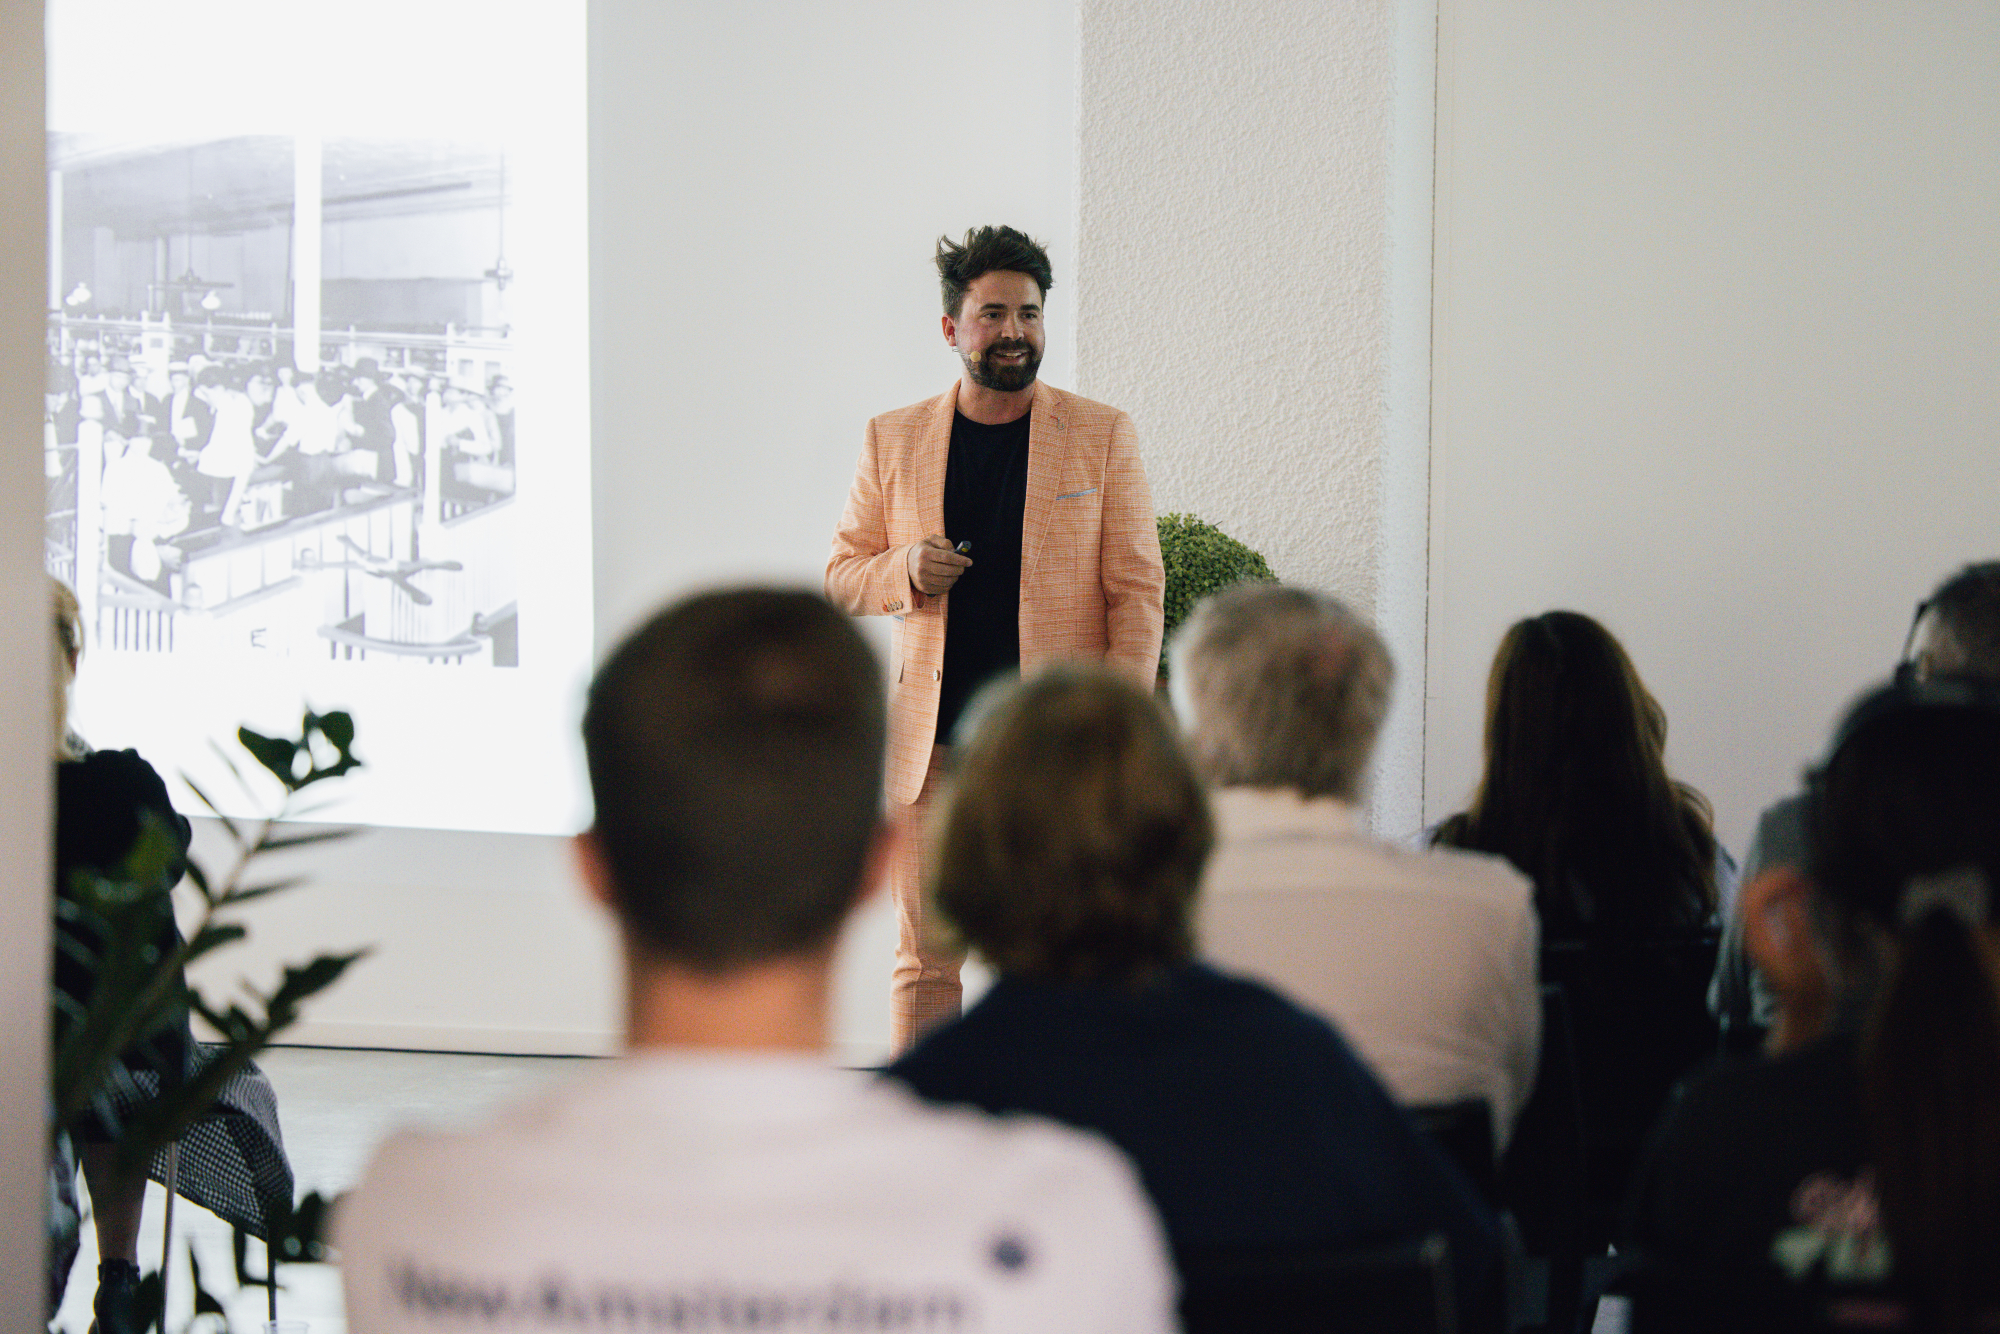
[(281, 414), (317, 430)]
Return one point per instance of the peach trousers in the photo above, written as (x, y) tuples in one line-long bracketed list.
[(924, 990)]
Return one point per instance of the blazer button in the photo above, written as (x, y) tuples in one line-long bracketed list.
[(936, 675)]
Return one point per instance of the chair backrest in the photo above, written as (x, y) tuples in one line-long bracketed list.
[(1638, 1011), (1543, 1178), (1464, 1130), (1403, 1289)]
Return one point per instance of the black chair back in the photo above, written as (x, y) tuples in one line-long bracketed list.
[(1391, 1290), (1544, 1179), (1638, 1012), (1464, 1130)]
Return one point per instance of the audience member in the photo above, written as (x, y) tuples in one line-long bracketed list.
[(1855, 1179), (1576, 794), (1424, 960), (102, 798), (1955, 634), (723, 1175), (1068, 855)]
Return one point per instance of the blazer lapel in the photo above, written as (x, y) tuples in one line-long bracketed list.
[(933, 448), (1047, 441)]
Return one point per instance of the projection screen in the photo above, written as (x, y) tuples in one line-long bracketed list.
[(319, 427)]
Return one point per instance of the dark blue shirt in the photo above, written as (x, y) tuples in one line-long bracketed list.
[(1251, 1123)]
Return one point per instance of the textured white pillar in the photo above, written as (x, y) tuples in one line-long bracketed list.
[(1252, 261), (24, 665), (306, 223)]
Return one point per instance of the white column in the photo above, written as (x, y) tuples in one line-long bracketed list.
[(305, 252), (25, 722)]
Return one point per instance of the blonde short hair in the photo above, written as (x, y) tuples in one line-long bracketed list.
[(65, 647), (1074, 837), (1287, 689)]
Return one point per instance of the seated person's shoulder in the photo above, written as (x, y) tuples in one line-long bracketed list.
[(1742, 1106), (1260, 1014), (765, 1191), (1017, 1160), (1478, 877)]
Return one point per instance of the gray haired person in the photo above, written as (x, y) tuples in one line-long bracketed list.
[(1424, 959)]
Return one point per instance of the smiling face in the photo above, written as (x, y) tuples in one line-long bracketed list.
[(998, 330)]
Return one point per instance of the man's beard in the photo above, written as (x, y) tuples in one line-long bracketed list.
[(1006, 379)]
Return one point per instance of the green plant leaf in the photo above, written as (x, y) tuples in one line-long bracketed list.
[(205, 1302), (338, 727), (213, 936), (283, 841), (302, 982), (274, 753), (235, 833), (1200, 559), (248, 892), (200, 879)]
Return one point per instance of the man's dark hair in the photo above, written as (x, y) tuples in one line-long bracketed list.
[(984, 250), (1965, 637), (735, 752)]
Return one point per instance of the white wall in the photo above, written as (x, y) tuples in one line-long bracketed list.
[(1716, 353), (1243, 296), (24, 666)]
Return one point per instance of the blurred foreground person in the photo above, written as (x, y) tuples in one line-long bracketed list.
[(1424, 960), (1955, 634), (723, 1175), (1068, 856), (103, 798), (1855, 1181)]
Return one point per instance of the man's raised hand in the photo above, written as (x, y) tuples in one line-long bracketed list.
[(934, 566)]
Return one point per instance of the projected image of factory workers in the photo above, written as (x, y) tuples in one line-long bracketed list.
[(281, 397)]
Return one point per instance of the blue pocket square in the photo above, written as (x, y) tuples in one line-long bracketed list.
[(1087, 491)]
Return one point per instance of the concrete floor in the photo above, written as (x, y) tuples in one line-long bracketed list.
[(334, 1106)]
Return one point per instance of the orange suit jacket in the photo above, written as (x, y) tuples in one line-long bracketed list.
[(1091, 578)]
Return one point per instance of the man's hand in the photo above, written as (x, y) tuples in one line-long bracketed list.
[(934, 566)]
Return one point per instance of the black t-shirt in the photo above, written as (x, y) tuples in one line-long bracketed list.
[(985, 497), (1754, 1206)]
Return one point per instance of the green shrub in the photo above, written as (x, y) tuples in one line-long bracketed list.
[(1200, 558)]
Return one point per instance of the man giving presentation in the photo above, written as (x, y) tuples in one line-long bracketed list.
[(1004, 524)]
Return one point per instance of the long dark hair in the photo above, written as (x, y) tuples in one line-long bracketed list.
[(1576, 792), (1905, 827)]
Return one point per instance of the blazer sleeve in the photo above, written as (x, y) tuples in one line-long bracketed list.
[(1129, 562), (865, 576)]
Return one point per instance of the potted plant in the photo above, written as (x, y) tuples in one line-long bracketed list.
[(1200, 558)]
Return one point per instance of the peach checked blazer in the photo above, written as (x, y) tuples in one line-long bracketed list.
[(1091, 578)]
